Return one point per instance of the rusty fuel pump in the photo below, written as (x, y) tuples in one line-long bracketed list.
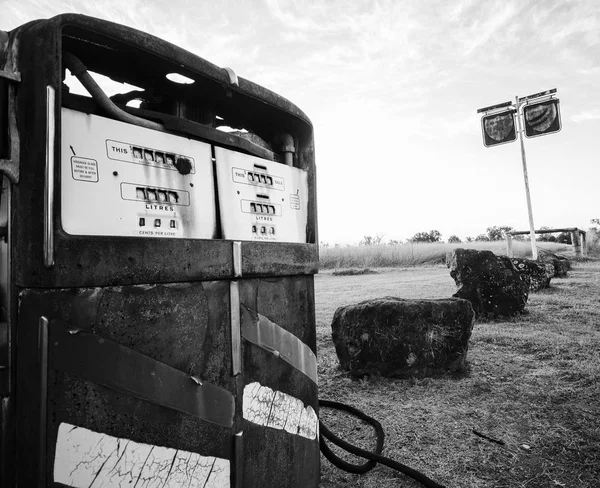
[(157, 323)]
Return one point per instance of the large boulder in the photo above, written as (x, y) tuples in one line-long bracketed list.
[(403, 338), (560, 263), (539, 273), (490, 282)]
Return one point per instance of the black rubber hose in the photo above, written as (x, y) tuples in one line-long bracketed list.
[(326, 433), (374, 457)]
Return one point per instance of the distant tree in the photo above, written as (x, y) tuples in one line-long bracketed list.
[(564, 238), (454, 239), (323, 244), (431, 236), (394, 242), (546, 237), (497, 233), (469, 239), (482, 237), (595, 221)]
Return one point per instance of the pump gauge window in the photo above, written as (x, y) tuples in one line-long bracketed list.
[(498, 128), (542, 118)]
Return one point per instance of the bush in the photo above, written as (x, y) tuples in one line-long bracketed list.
[(564, 238), (496, 233), (431, 236)]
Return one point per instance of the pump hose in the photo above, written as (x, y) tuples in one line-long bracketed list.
[(374, 457)]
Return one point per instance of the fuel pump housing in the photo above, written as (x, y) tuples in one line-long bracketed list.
[(157, 322)]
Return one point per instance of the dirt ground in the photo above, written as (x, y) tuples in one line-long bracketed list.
[(531, 389)]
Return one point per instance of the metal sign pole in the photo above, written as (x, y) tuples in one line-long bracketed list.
[(531, 226)]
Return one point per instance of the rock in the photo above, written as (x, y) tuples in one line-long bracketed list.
[(491, 283), (539, 274), (560, 263), (403, 338)]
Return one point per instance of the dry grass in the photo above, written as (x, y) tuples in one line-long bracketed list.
[(532, 382), (416, 253)]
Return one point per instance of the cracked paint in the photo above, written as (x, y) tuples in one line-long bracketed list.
[(89, 459), (294, 414), (263, 406)]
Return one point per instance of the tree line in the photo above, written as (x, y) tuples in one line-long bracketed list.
[(493, 233)]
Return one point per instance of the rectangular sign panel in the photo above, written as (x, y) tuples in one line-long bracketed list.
[(498, 128), (261, 200), (542, 118), (119, 179)]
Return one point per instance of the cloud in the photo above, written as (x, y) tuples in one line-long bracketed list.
[(489, 28), (586, 116)]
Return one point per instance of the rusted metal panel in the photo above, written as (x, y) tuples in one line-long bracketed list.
[(293, 461), (104, 362), (278, 259), (104, 261), (184, 326), (274, 456)]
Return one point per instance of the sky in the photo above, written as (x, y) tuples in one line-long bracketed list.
[(392, 89)]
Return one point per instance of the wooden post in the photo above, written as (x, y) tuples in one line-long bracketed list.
[(576, 243), (509, 249), (584, 243)]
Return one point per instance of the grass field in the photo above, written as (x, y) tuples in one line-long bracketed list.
[(532, 383), (415, 254)]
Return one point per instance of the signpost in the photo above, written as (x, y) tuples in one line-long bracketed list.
[(538, 113)]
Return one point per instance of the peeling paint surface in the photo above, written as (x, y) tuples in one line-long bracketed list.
[(264, 406), (85, 458)]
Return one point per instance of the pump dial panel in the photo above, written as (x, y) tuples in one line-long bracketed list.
[(261, 200), (119, 179)]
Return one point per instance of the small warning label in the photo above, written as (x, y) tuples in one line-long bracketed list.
[(295, 202), (84, 169)]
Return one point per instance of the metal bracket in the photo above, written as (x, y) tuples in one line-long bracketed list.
[(236, 335), (233, 78), (49, 181), (43, 332), (238, 460), (273, 338), (237, 259)]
